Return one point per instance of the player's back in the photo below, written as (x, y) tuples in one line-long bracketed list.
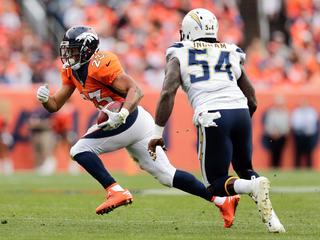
[(209, 73)]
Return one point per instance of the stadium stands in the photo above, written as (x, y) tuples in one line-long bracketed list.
[(139, 31)]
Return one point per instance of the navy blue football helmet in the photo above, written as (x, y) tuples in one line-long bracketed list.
[(78, 45)]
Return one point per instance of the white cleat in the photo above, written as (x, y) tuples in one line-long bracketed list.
[(274, 225), (260, 194)]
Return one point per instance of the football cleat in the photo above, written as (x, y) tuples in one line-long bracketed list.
[(260, 194), (228, 210), (114, 199), (274, 225)]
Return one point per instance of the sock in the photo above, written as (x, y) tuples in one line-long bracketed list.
[(242, 186), (218, 200), (93, 165), (115, 187), (188, 183)]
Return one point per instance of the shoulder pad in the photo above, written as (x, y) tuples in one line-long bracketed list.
[(171, 51), (99, 61)]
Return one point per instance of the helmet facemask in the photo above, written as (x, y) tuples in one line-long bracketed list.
[(70, 55), (78, 46)]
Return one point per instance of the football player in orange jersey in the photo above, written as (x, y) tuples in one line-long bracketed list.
[(99, 78)]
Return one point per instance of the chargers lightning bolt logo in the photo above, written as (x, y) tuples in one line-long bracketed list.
[(196, 18)]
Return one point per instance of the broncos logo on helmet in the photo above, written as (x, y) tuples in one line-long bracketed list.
[(77, 46), (87, 36)]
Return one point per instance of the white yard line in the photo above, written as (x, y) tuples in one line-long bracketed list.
[(280, 189), (301, 189), (177, 192)]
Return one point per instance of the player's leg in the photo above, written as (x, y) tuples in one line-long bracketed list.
[(85, 154), (86, 151), (169, 176), (214, 153), (165, 172), (161, 168), (250, 182), (241, 137)]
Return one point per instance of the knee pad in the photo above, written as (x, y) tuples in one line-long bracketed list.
[(79, 147), (73, 151), (86, 145)]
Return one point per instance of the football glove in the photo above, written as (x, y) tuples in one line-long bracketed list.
[(115, 119), (43, 94), (153, 143), (206, 119), (156, 140)]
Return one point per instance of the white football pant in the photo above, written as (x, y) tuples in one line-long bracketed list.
[(135, 139)]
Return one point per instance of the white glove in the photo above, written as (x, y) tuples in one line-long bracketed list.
[(156, 140), (115, 119), (206, 119), (43, 94)]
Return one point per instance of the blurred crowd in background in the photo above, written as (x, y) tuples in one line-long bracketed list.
[(139, 31)]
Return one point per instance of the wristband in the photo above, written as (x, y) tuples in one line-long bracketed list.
[(158, 131)]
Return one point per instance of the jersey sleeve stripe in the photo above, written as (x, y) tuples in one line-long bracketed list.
[(239, 50), (176, 45)]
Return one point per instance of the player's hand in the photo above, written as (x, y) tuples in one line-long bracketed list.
[(115, 119), (43, 93), (206, 119), (153, 143)]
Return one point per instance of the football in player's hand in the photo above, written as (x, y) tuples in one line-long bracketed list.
[(113, 107)]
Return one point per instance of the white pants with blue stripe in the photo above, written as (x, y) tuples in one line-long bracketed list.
[(135, 139)]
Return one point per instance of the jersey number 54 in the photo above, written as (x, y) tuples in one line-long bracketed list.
[(223, 64)]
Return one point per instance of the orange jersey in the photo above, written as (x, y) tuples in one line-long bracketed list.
[(103, 69)]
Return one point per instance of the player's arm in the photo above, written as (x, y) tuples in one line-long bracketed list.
[(55, 102), (171, 84), (125, 85), (247, 88)]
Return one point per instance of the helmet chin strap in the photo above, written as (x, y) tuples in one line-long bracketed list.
[(181, 35), (184, 37), (79, 64), (76, 66)]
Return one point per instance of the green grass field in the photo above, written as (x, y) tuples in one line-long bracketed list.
[(63, 207)]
